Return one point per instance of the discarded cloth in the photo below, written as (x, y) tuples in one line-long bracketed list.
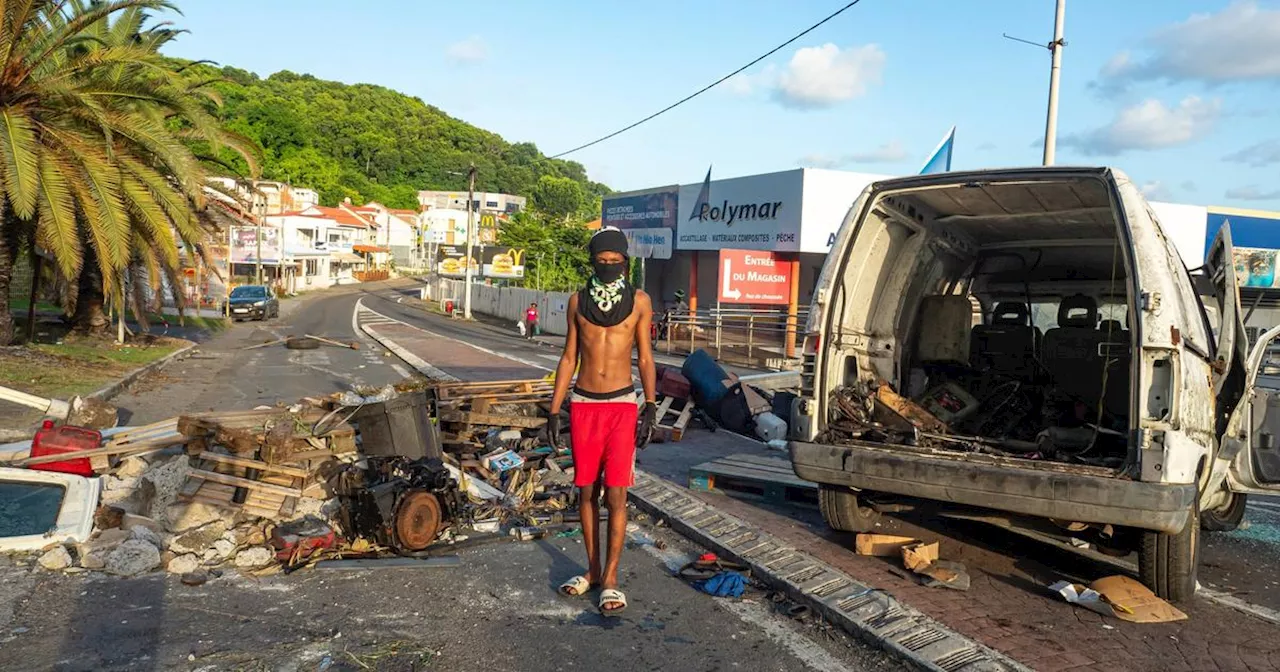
[(724, 584)]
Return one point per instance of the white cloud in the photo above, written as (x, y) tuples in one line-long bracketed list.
[(471, 50), (1156, 191), (1262, 154), (741, 84), (1253, 193), (823, 76), (1239, 43), (890, 152), (1148, 125), (821, 161)]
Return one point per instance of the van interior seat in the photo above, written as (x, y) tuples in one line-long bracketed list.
[(1009, 344), (1118, 356), (1071, 349), (944, 323)]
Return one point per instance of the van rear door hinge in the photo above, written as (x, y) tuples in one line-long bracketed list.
[(1151, 302)]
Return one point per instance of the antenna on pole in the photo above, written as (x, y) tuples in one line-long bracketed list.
[(1055, 49)]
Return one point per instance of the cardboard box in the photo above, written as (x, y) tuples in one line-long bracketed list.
[(881, 545), (919, 556)]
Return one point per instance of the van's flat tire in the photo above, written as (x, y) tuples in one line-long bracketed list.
[(840, 508), (1225, 518), (1167, 563)]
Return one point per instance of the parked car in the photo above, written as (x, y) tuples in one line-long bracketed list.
[(253, 302), (1028, 345)]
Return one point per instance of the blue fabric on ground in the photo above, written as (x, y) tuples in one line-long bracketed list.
[(724, 584)]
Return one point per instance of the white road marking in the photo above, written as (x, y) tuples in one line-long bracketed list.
[(1265, 613), (392, 320), (554, 358), (752, 612), (1265, 505), (400, 370)]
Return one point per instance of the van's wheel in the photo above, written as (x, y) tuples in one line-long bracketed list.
[(1167, 563), (1226, 517), (839, 507)]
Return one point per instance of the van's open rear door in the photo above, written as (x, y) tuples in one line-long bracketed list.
[(1231, 355), (1232, 344)]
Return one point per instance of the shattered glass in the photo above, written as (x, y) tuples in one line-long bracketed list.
[(29, 508)]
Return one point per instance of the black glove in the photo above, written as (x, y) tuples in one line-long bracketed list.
[(645, 424), (553, 430)]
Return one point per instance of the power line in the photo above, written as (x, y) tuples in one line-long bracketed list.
[(712, 85)]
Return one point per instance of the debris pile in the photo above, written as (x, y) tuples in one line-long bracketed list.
[(978, 411)]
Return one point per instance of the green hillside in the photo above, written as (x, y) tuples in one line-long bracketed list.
[(371, 143)]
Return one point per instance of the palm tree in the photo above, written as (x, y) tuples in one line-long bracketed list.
[(178, 105), (93, 163)]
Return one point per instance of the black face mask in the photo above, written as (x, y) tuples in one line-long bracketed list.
[(608, 273)]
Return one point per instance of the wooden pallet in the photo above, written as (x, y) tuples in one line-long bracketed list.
[(673, 416), (755, 476), (502, 389)]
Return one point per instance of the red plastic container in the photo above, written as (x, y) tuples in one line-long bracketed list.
[(448, 306), (52, 440)]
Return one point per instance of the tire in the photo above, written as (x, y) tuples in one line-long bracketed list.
[(1167, 563), (302, 343), (839, 507), (1227, 517)]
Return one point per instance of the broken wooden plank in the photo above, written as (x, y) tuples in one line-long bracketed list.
[(353, 345), (493, 419), (245, 483), (254, 464)]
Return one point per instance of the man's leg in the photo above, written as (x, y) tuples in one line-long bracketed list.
[(616, 500), (589, 508)]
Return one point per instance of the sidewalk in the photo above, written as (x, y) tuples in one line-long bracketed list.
[(1008, 607)]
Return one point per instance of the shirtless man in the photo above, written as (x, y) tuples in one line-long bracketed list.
[(608, 319)]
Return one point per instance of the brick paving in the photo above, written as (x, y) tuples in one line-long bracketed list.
[(457, 358)]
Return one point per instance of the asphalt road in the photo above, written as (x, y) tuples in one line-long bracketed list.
[(497, 611)]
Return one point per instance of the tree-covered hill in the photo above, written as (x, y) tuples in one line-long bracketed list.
[(371, 143)]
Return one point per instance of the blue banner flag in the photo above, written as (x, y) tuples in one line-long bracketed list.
[(940, 160)]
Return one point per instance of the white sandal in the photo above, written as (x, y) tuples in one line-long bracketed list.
[(612, 596), (576, 587)]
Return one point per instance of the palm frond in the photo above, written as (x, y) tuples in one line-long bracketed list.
[(18, 151)]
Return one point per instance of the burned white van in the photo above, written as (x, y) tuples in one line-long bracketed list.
[(1028, 345)]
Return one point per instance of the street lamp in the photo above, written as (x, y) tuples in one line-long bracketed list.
[(471, 191)]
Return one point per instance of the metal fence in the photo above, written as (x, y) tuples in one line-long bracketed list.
[(734, 335)]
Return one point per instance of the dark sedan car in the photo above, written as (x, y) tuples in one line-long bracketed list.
[(253, 302)]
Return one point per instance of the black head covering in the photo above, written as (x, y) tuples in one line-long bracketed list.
[(608, 239), (607, 304)]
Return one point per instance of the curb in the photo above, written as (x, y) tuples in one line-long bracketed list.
[(865, 612), (420, 365), (111, 390)]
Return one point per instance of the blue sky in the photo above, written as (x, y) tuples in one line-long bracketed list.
[(1180, 94)]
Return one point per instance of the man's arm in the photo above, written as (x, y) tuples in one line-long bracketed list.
[(644, 347), (568, 359)]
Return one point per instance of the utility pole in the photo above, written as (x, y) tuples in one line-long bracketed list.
[(471, 191), (1051, 121), (258, 254)]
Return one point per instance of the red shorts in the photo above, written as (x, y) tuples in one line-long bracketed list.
[(604, 441)]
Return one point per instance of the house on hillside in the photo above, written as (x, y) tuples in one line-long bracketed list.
[(320, 246), (482, 201)]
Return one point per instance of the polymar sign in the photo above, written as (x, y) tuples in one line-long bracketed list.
[(758, 212)]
